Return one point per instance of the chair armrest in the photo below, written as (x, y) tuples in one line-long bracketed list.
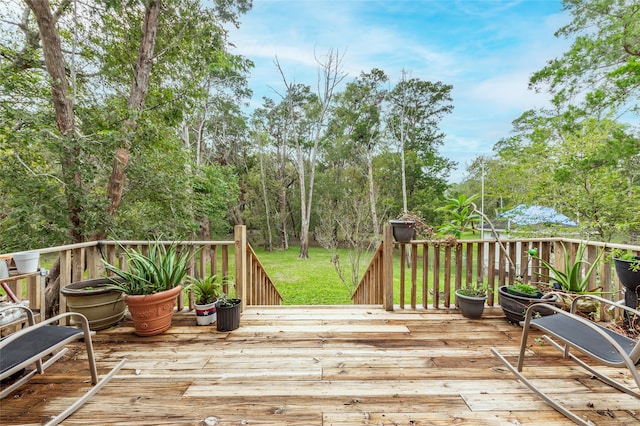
[(574, 304), (10, 338)]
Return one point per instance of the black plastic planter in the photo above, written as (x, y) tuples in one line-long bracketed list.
[(630, 279), (403, 230), (228, 316)]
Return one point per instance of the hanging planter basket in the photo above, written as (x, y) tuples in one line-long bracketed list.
[(403, 230)]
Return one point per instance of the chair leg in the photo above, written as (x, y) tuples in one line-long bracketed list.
[(546, 398), (80, 402), (600, 376)]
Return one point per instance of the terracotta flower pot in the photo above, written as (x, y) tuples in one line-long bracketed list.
[(152, 313)]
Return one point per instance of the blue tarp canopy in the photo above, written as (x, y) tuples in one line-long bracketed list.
[(532, 215)]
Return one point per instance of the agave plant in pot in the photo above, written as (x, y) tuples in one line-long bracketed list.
[(151, 282), (206, 292), (571, 280)]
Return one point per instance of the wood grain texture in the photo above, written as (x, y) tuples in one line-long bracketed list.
[(320, 365)]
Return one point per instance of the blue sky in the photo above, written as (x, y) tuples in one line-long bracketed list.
[(486, 49)]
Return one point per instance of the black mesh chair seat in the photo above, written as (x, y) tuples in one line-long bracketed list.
[(586, 339), (37, 342), (29, 347)]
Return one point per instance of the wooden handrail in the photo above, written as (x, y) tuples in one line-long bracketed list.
[(249, 281), (262, 290), (467, 263)]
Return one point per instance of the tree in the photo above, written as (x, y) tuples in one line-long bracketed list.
[(415, 110), (357, 117), (307, 117), (63, 107), (602, 67), (462, 215)]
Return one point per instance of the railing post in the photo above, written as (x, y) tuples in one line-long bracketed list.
[(240, 238), (65, 279), (387, 267)]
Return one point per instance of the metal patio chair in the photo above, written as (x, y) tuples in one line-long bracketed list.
[(567, 331), (38, 341)]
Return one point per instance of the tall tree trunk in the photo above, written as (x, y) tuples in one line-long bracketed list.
[(263, 181), (139, 87), (282, 196), (304, 205), (70, 153), (372, 196)]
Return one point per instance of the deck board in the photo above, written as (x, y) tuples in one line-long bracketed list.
[(320, 365)]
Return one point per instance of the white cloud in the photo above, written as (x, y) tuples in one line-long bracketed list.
[(487, 50)]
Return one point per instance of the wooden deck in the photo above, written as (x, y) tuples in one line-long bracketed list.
[(320, 365)]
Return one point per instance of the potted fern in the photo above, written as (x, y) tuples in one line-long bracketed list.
[(206, 292), (150, 283)]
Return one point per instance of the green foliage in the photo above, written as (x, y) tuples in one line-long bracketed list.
[(602, 60), (225, 301), (461, 215), (39, 191), (163, 268), (214, 186), (523, 288), (628, 256), (571, 279), (206, 290), (479, 290)]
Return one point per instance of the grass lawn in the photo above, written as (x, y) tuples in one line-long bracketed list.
[(314, 281), (311, 281)]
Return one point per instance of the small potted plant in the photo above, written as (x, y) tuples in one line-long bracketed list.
[(206, 292), (470, 301), (228, 312), (515, 299), (151, 282), (627, 266), (408, 225)]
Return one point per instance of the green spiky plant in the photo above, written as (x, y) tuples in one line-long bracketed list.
[(570, 279), (163, 268)]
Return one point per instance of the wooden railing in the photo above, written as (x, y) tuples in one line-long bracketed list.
[(239, 269), (429, 271)]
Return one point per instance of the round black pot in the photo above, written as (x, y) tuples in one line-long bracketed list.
[(228, 317), (630, 279), (470, 306), (95, 299), (514, 307), (403, 230)]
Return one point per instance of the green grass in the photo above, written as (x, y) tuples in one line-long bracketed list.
[(311, 281), (314, 281)]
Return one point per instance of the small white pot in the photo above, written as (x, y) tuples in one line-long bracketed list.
[(206, 314), (27, 261)]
